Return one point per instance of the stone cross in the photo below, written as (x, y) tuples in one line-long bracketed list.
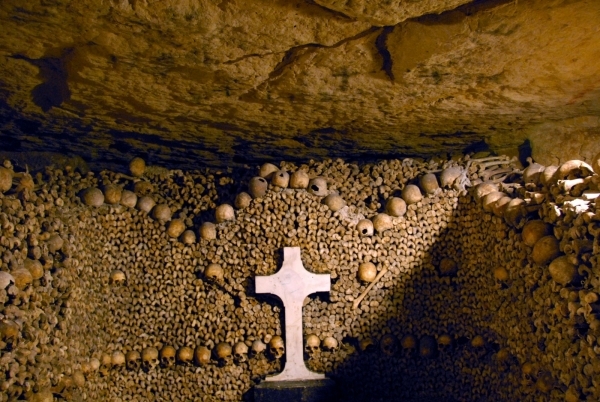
[(292, 283)]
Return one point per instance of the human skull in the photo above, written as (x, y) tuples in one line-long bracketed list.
[(35, 268), (94, 364), (478, 342), (318, 186), (329, 344), (299, 179), (367, 272), (444, 342), (118, 359), (8, 289), (176, 228), (9, 333), (258, 348), (281, 178), (117, 277), (409, 345), (277, 347), (427, 346), (267, 170), (185, 355), (240, 352), (257, 187), (149, 358), (529, 371), (388, 345), (365, 227), (224, 213), (208, 231), (145, 203), (78, 378), (201, 355), (162, 213), (23, 278), (55, 243), (503, 355), (6, 280), (223, 353), (214, 273), (105, 364), (133, 360), (167, 356), (312, 345), (366, 345)]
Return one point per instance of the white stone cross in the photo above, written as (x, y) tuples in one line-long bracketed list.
[(292, 283)]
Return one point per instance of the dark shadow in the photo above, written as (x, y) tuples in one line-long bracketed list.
[(524, 152), (55, 88)]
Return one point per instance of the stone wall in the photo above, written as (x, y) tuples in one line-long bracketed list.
[(248, 81)]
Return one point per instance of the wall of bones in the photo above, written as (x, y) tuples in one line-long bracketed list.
[(139, 286)]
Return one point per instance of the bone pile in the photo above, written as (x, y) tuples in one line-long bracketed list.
[(465, 279)]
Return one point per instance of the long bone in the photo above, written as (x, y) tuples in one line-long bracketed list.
[(364, 293)]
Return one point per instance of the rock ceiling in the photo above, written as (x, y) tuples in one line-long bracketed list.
[(200, 82)]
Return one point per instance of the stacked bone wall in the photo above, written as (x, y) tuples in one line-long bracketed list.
[(465, 310)]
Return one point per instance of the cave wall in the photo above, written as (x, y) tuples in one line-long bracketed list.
[(238, 82), (468, 309)]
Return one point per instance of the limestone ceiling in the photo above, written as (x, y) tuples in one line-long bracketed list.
[(190, 83)]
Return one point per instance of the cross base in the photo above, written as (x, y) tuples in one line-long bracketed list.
[(295, 391)]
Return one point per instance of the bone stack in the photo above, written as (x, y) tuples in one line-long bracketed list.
[(469, 278)]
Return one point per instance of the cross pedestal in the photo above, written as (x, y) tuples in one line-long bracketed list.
[(292, 283)]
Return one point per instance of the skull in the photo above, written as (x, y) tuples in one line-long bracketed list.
[(503, 355), (78, 378), (240, 352), (132, 359), (185, 355), (478, 342), (277, 347), (367, 272), (208, 231), (365, 227), (223, 353), (427, 346), (23, 278), (7, 281), (86, 368), (329, 344), (409, 345), (366, 345), (9, 333), (388, 345), (117, 277), (201, 355), (167, 356), (312, 345), (105, 364), (149, 358), (444, 343), (214, 273), (118, 359), (529, 371), (479, 346), (258, 348), (94, 364), (318, 186)]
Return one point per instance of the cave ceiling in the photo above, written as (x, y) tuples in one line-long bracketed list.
[(234, 82)]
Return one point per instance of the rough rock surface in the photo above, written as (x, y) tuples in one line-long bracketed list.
[(239, 81)]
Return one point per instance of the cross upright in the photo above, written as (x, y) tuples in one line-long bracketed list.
[(292, 283)]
